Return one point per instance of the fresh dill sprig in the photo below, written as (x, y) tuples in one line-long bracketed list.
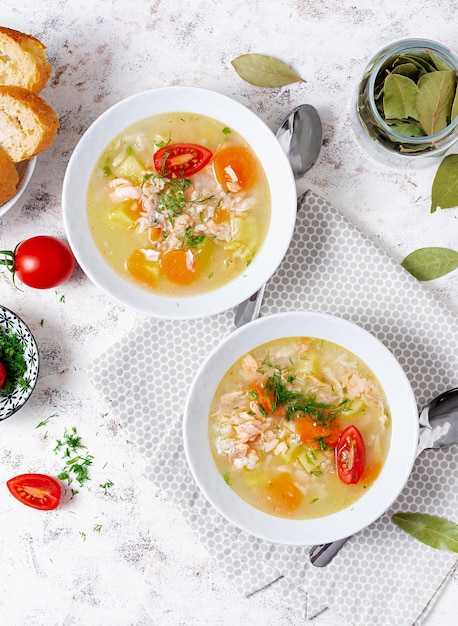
[(76, 464), (12, 358)]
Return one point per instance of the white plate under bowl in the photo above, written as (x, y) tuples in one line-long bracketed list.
[(187, 100), (379, 496)]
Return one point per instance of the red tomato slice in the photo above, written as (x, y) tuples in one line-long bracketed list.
[(179, 160), (350, 455), (2, 375), (35, 490)]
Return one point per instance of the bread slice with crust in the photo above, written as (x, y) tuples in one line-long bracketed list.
[(28, 125), (9, 178), (23, 60)]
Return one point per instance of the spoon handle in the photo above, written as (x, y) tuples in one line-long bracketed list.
[(321, 555), (249, 309)]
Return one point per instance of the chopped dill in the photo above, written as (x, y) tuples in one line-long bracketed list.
[(76, 464), (12, 358), (192, 240)]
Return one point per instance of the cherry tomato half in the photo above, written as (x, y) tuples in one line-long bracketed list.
[(35, 490), (43, 262), (350, 455), (2, 374), (179, 160)]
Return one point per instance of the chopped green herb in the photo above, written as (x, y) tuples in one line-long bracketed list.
[(192, 240), (314, 500), (44, 422), (83, 535), (12, 358), (97, 528), (227, 478), (129, 150), (106, 486), (76, 465), (226, 130)]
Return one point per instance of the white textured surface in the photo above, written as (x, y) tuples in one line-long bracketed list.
[(324, 264), (144, 567)]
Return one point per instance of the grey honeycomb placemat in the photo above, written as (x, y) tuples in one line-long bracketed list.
[(382, 576)]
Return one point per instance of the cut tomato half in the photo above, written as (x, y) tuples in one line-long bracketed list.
[(179, 160), (35, 490), (350, 455)]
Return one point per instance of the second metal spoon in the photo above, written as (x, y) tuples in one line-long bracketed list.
[(438, 429), (300, 136)]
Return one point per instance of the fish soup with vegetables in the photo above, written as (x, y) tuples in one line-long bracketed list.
[(179, 204), (299, 427)]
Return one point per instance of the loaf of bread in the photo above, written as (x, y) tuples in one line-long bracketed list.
[(23, 60), (28, 125), (8, 177)]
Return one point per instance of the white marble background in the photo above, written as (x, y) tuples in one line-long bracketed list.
[(144, 567)]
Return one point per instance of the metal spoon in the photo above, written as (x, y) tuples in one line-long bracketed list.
[(300, 136), (438, 429)]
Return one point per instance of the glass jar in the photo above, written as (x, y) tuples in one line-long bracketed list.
[(378, 137)]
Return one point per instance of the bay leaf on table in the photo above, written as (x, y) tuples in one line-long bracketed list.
[(444, 192), (264, 71), (436, 92), (400, 97), (434, 531), (430, 263)]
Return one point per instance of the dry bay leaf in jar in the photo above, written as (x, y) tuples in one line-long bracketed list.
[(407, 103)]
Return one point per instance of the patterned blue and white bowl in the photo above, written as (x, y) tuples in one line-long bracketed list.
[(12, 402)]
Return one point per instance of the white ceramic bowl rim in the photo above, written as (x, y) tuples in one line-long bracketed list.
[(25, 169), (14, 401), (189, 100), (401, 455)]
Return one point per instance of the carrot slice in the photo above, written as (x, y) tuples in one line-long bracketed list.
[(142, 269), (236, 168), (176, 268), (280, 495), (311, 433)]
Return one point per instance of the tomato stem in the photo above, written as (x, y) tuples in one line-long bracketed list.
[(7, 260)]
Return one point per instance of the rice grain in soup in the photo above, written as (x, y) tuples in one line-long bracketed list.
[(300, 427), (167, 227)]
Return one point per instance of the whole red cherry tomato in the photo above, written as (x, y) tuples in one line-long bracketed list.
[(36, 490), (350, 455), (179, 160), (41, 262)]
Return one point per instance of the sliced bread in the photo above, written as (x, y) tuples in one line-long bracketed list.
[(23, 60), (9, 178), (28, 125)]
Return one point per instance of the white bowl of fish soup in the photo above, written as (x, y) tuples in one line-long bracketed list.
[(248, 418), (129, 178)]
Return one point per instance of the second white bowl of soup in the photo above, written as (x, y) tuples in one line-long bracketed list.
[(179, 202), (301, 428)]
